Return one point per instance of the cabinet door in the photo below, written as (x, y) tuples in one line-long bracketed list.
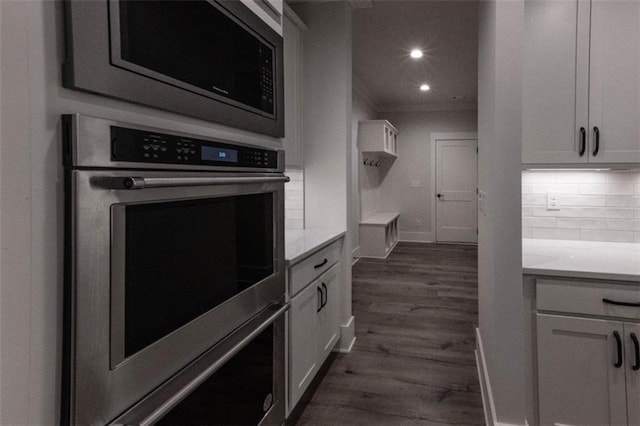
[(615, 81), (302, 341), (578, 383), (633, 376), (328, 326), (292, 46), (555, 81)]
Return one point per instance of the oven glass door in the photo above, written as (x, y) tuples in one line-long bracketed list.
[(177, 260)]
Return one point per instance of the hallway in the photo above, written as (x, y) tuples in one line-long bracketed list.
[(413, 361)]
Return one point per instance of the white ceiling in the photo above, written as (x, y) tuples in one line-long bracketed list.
[(384, 34)]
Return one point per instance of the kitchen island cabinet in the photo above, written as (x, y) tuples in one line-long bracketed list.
[(583, 326), (581, 82)]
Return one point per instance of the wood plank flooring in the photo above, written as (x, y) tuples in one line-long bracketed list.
[(413, 360)]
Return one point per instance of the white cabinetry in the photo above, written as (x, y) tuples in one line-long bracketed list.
[(314, 286), (270, 11), (581, 82), (378, 137), (378, 235), (588, 366), (292, 30)]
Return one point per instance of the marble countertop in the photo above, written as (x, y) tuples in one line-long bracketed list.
[(581, 259), (299, 243)]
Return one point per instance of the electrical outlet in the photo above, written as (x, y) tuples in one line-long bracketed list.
[(552, 201)]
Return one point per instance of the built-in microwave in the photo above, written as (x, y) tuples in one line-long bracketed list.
[(210, 59)]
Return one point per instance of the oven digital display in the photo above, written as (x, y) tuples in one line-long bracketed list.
[(211, 153)]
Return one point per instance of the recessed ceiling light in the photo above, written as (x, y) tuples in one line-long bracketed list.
[(425, 87), (416, 53)]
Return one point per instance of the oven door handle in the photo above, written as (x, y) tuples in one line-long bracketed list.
[(146, 412), (132, 182)]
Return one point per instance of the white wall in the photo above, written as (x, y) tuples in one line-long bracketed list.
[(500, 300), (327, 109), (31, 200), (593, 205), (415, 204), (361, 181)]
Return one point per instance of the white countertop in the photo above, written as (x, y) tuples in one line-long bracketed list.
[(581, 259), (299, 243)]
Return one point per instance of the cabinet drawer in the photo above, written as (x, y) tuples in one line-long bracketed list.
[(305, 271), (583, 297)]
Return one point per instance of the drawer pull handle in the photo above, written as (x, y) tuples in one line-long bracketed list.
[(321, 264), (618, 363), (320, 300), (636, 346), (615, 302), (596, 148), (326, 292)]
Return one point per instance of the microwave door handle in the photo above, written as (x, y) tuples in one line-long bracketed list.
[(131, 182)]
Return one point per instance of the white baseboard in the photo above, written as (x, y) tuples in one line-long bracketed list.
[(488, 403), (347, 336), (419, 237)]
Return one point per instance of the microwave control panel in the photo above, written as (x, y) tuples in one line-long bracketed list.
[(139, 146)]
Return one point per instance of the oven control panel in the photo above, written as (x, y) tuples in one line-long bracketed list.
[(140, 146)]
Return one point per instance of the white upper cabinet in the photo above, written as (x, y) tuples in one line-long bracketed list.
[(270, 11), (614, 75), (379, 137), (581, 82)]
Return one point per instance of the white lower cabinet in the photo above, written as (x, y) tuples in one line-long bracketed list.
[(577, 375), (588, 356), (313, 330)]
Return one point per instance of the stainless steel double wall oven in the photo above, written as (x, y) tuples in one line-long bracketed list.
[(174, 286)]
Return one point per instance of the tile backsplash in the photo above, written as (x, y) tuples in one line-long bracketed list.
[(294, 199), (590, 205)]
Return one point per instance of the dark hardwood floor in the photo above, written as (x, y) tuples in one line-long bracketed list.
[(413, 360)]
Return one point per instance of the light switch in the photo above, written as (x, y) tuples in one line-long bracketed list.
[(415, 184)]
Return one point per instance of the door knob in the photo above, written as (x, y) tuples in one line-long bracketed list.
[(440, 196)]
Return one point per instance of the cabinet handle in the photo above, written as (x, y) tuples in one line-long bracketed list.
[(615, 302), (618, 363), (596, 148), (636, 346), (326, 293), (321, 264), (319, 290), (583, 141)]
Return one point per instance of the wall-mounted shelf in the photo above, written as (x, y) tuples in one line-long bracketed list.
[(378, 234), (378, 137)]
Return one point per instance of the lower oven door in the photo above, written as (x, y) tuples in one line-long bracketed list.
[(240, 381), (162, 266)]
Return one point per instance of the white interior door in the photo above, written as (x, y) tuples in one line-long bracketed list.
[(456, 191)]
